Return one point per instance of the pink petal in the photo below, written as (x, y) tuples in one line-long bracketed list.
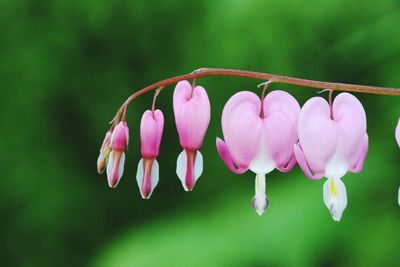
[(241, 126), (281, 111), (120, 136), (151, 130), (318, 136), (226, 157), (304, 165), (350, 118), (289, 165), (281, 101), (360, 163), (192, 114)]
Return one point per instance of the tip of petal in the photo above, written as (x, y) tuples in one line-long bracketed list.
[(301, 160), (115, 168), (189, 168), (335, 198), (336, 216), (147, 177), (260, 204)]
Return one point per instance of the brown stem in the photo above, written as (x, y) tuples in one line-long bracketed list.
[(153, 106), (266, 85), (205, 72)]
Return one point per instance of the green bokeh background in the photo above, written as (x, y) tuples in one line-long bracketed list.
[(66, 66)]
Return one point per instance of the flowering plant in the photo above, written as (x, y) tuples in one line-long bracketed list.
[(326, 138)]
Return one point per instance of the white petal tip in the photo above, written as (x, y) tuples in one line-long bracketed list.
[(147, 177), (335, 198), (260, 212), (336, 216), (115, 171), (398, 197), (189, 174), (260, 204)]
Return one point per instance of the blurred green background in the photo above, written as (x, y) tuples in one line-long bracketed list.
[(66, 66)]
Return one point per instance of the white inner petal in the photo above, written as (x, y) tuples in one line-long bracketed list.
[(154, 177), (398, 197), (260, 201), (262, 163), (336, 167), (198, 165), (181, 168), (335, 197)]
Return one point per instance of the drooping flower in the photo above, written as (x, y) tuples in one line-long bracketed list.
[(151, 129), (259, 135), (104, 153), (398, 142), (332, 141), (119, 141), (192, 117)]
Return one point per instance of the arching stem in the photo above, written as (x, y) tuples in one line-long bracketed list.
[(205, 72)]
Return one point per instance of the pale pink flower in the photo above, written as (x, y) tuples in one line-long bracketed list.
[(104, 153), (151, 129), (192, 117), (259, 135), (119, 141), (332, 141)]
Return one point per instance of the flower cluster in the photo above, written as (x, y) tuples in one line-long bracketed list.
[(260, 134), (192, 116)]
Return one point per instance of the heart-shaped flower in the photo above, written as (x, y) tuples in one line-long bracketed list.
[(192, 117), (151, 130), (259, 135), (332, 141)]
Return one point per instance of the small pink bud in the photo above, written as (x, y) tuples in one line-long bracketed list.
[(151, 129), (192, 117), (104, 153), (115, 166)]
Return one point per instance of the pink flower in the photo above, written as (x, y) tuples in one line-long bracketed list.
[(118, 143), (259, 135), (151, 129), (192, 116), (104, 153), (332, 141)]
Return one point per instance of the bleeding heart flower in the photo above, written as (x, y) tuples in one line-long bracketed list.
[(332, 141), (104, 153), (192, 117), (119, 141), (259, 135), (151, 129)]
